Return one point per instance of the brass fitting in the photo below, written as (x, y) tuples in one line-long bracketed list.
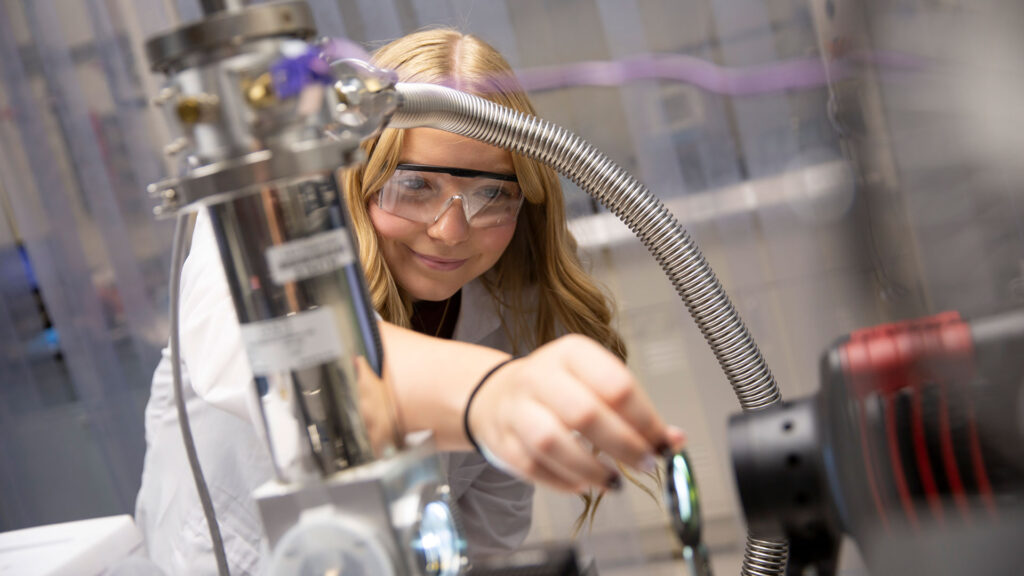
[(197, 108), (259, 91)]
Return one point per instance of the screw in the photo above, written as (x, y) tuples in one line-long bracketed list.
[(165, 94), (176, 146)]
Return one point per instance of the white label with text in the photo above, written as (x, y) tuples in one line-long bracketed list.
[(293, 342), (308, 257)]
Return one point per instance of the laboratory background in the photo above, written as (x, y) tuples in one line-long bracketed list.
[(841, 164)]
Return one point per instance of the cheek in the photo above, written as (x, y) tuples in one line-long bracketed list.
[(389, 227), (494, 241)]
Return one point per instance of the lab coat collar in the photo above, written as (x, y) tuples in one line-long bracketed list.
[(478, 316)]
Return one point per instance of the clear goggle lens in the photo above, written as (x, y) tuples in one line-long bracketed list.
[(424, 194)]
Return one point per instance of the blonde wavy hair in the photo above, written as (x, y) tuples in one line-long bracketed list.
[(541, 261)]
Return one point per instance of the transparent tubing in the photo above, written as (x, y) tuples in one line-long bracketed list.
[(427, 105)]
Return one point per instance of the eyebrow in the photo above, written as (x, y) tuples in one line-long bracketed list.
[(458, 172)]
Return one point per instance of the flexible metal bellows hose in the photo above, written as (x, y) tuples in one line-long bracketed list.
[(427, 105), (764, 557)]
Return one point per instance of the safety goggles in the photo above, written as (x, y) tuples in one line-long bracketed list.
[(423, 194)]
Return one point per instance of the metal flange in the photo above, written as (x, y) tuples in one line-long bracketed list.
[(170, 51), (236, 176)]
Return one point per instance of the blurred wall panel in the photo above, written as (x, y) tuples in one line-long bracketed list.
[(956, 133), (71, 182)]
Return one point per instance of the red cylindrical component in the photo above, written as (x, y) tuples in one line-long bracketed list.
[(897, 364)]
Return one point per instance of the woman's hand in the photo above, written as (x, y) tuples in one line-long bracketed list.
[(529, 412), (378, 409)]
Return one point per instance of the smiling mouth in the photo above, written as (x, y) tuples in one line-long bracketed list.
[(439, 263)]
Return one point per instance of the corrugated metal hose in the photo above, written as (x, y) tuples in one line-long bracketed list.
[(427, 105)]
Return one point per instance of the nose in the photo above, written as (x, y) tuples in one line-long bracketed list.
[(451, 226)]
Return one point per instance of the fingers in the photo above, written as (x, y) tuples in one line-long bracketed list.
[(580, 409), (529, 413), (377, 410), (676, 438), (519, 458), (614, 384), (555, 447)]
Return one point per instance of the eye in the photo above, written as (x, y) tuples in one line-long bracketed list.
[(490, 193), (414, 188), (413, 182)]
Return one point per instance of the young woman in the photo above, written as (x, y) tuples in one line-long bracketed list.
[(464, 240), (467, 246)]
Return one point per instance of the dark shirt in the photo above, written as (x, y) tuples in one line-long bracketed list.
[(436, 319)]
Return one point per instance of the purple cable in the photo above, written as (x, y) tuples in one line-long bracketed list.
[(291, 75), (794, 74), (776, 77), (802, 73)]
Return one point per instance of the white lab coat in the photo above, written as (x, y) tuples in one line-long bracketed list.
[(495, 508)]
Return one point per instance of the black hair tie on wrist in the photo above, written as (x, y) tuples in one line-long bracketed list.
[(469, 402)]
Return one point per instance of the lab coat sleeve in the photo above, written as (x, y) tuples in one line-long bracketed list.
[(211, 344), (496, 510)]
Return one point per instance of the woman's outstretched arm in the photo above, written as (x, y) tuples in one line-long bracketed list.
[(531, 413)]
